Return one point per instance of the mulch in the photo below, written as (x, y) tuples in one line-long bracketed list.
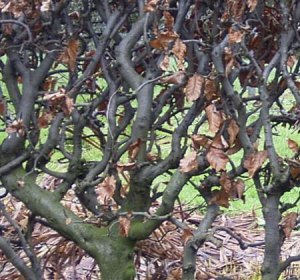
[(157, 258)]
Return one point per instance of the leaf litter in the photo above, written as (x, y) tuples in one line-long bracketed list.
[(159, 256)]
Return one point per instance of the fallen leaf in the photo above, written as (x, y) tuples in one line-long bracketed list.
[(254, 161), (288, 223), (194, 87), (189, 162)]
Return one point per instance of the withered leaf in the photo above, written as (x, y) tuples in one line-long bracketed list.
[(121, 167), (233, 130), (194, 87), (169, 20), (150, 6), (254, 161), (179, 50), (45, 119), (239, 188), (45, 7), (16, 126), (108, 186), (217, 159), (220, 198), (293, 145), (211, 90), (177, 78), (186, 235), (252, 4), (69, 55), (200, 140), (225, 182), (163, 40), (288, 223), (215, 118), (189, 162), (164, 64), (124, 225), (134, 149), (235, 36)]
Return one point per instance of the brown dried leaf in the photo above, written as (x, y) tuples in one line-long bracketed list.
[(189, 162), (49, 84), (211, 90), (169, 20), (151, 6), (239, 188), (200, 140), (194, 87), (220, 198), (292, 60), (254, 161), (293, 145), (215, 118), (164, 64), (121, 167), (152, 157), (217, 159), (45, 119), (226, 182), (252, 5), (233, 130), (46, 5), (124, 225), (186, 235), (69, 54), (177, 78), (108, 186), (163, 40), (175, 274), (235, 36), (288, 223), (179, 50), (16, 126), (134, 149)]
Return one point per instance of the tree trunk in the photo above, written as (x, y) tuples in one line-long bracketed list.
[(116, 260), (273, 238)]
